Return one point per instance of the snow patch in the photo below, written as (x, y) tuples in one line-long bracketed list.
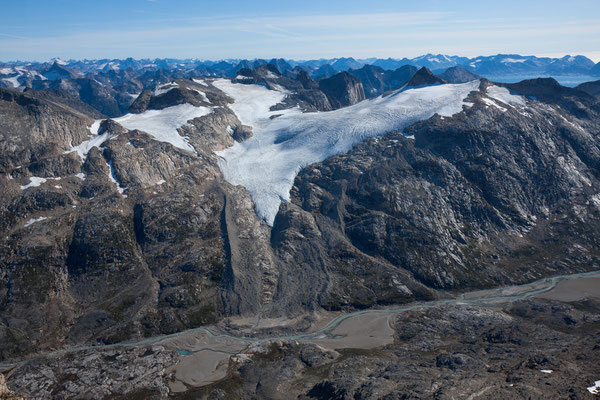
[(84, 148), (513, 60), (34, 220), (200, 82), (242, 77), (267, 163), (113, 178), (164, 88), (503, 95), (163, 124), (34, 181), (546, 371), (594, 389), (203, 95), (13, 81), (252, 102), (160, 182), (81, 176), (492, 103)]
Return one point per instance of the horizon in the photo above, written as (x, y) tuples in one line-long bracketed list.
[(186, 29), (236, 59)]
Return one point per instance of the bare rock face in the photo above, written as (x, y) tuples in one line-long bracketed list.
[(32, 129), (307, 82), (467, 191), (458, 75), (424, 77), (129, 241), (137, 238), (342, 89), (592, 88), (96, 374), (377, 81)]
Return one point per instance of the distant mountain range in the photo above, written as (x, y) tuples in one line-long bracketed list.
[(111, 86), (487, 66)]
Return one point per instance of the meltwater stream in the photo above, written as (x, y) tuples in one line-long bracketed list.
[(487, 296)]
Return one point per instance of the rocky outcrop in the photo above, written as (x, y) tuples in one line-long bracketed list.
[(592, 88), (137, 237), (306, 81), (377, 81), (458, 75), (129, 241), (57, 72), (342, 89), (372, 79), (65, 99), (6, 393), (466, 191), (33, 129), (96, 375), (424, 77)]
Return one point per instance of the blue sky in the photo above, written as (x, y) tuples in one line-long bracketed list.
[(40, 30)]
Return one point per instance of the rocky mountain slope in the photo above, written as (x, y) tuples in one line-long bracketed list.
[(458, 75), (592, 88), (111, 86), (127, 228), (376, 80)]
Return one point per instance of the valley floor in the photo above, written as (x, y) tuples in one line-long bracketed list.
[(215, 359)]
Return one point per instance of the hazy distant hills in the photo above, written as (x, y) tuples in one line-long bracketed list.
[(497, 65)]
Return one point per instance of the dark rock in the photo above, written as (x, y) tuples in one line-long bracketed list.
[(377, 81), (342, 90), (458, 75), (591, 88), (327, 391), (424, 77)]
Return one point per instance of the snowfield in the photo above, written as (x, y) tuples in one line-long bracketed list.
[(503, 95), (160, 124), (163, 124), (594, 389), (286, 141)]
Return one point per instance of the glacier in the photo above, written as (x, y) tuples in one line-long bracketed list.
[(285, 141)]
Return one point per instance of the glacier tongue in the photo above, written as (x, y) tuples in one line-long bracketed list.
[(286, 141)]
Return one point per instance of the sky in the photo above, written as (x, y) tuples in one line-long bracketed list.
[(38, 30)]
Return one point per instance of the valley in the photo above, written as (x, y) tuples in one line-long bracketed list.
[(219, 233)]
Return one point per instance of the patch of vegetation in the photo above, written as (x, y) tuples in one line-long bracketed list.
[(205, 315), (118, 312), (122, 334)]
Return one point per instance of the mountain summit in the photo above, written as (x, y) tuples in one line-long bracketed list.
[(424, 77)]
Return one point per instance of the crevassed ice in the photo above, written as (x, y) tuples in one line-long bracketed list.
[(267, 163)]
